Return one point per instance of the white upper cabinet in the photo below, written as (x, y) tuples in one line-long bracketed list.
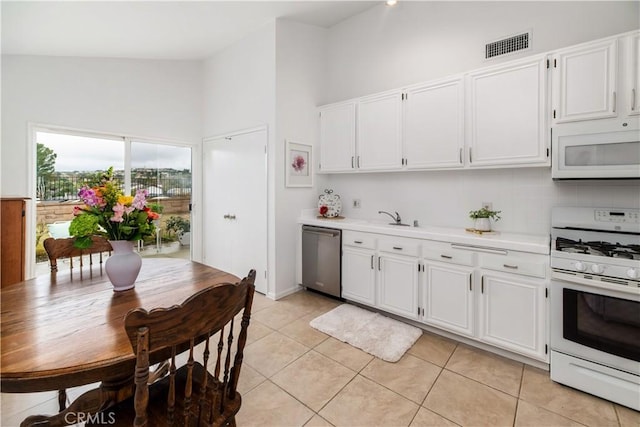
[(433, 132), (338, 137), (506, 114), (584, 82), (633, 72), (379, 132)]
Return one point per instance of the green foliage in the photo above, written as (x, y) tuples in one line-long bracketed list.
[(42, 233), (46, 160), (485, 213), (83, 227), (178, 225), (156, 207)]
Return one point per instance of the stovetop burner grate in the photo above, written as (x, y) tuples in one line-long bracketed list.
[(607, 249)]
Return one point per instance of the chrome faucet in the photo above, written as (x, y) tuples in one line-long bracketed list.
[(396, 218)]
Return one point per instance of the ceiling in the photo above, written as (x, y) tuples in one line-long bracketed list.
[(182, 30)]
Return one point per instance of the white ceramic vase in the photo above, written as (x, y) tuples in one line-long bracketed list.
[(123, 265), (483, 224)]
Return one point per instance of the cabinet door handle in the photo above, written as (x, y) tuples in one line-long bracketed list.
[(358, 242), (225, 216), (460, 155), (352, 160), (470, 158), (397, 248), (372, 262), (482, 285), (633, 99), (470, 284), (514, 267), (358, 162), (446, 256), (379, 268), (614, 101)]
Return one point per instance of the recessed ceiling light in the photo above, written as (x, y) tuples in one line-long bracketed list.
[(391, 2)]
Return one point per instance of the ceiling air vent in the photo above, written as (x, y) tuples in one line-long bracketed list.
[(507, 45)]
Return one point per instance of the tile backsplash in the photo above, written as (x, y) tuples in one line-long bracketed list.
[(443, 198)]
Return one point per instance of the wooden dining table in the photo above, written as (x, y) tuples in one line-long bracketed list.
[(66, 329)]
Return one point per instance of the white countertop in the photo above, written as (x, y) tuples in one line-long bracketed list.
[(533, 243)]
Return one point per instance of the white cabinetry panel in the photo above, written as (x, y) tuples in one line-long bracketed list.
[(513, 314), (358, 275), (585, 81), (448, 298), (633, 70), (338, 137), (398, 285), (506, 114), (379, 132), (434, 125)]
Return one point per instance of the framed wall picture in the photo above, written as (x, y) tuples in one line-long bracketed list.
[(298, 163)]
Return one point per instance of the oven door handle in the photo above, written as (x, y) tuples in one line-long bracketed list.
[(572, 278)]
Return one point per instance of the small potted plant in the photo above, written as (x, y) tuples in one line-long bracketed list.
[(181, 227), (483, 217)]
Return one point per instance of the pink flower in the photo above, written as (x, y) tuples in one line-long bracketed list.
[(118, 211), (298, 163), (140, 200)]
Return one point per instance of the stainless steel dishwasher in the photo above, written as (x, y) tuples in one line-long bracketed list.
[(321, 250)]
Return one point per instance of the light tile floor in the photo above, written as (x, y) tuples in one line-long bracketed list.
[(294, 375)]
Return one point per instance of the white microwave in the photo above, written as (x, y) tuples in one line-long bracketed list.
[(596, 150)]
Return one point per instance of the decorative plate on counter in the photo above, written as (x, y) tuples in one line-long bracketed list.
[(329, 204)]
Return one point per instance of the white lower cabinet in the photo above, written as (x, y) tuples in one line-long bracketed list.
[(494, 296), (358, 275), (398, 285), (448, 297), (513, 313)]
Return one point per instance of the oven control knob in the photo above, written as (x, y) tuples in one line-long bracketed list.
[(633, 273), (597, 269), (579, 266)]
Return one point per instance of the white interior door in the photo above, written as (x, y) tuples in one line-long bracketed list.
[(235, 205)]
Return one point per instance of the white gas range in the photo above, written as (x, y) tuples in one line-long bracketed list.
[(595, 301)]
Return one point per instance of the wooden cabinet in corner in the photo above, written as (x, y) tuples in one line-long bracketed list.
[(12, 242)]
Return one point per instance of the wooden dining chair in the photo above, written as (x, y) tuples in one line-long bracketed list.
[(196, 394), (63, 248)]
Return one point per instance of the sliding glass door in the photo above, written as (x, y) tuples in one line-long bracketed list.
[(67, 161), (165, 172)]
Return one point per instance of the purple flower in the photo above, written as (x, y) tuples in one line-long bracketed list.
[(89, 196)]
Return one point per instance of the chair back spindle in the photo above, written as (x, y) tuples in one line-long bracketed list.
[(192, 396)]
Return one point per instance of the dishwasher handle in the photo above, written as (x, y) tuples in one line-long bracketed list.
[(320, 231)]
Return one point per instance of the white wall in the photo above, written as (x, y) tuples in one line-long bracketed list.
[(239, 85), (135, 97), (272, 77), (388, 47), (385, 48), (239, 93), (300, 72)]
